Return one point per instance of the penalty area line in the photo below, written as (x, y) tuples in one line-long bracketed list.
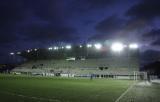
[(125, 92)]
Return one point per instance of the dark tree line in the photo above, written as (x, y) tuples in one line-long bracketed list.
[(6, 68), (153, 68)]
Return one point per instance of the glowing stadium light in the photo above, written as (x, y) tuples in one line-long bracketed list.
[(133, 46), (89, 45), (80, 46), (12, 53), (35, 49), (62, 47), (98, 46), (18, 53), (28, 51), (117, 47), (50, 48), (55, 48), (68, 47)]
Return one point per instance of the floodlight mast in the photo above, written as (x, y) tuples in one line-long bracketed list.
[(88, 47)]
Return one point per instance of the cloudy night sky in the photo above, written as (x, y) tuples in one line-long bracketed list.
[(40, 23)]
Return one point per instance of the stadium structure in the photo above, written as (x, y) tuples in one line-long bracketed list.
[(99, 60)]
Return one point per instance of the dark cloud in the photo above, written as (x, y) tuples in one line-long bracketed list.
[(152, 33), (146, 9), (150, 56), (157, 42), (7, 38), (98, 3), (153, 36), (143, 14), (11, 12), (41, 33), (49, 10), (114, 27), (34, 20), (109, 28), (80, 7), (137, 19), (135, 24), (18, 11), (111, 24)]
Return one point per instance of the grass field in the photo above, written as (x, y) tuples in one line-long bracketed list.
[(44, 89), (143, 94)]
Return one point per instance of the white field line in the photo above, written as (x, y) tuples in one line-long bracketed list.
[(125, 92), (31, 97)]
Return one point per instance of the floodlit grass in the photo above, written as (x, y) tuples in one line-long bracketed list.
[(44, 89), (143, 94)]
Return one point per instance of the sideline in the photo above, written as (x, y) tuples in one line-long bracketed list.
[(125, 92), (36, 98)]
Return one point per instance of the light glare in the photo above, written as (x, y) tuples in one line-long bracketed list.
[(50, 48), (98, 46), (133, 46), (55, 48), (18, 53), (35, 49), (28, 51), (117, 47), (12, 53), (89, 45), (68, 47)]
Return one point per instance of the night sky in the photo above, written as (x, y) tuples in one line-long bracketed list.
[(28, 24)]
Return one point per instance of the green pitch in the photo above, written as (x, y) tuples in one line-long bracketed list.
[(143, 93), (44, 89)]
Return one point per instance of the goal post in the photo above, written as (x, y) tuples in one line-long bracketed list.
[(135, 77), (140, 75)]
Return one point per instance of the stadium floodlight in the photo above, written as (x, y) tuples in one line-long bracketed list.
[(12, 53), (68, 47), (80, 46), (117, 47), (133, 46), (98, 46), (18, 53), (28, 51), (50, 48), (89, 45), (62, 47), (55, 48), (35, 49)]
